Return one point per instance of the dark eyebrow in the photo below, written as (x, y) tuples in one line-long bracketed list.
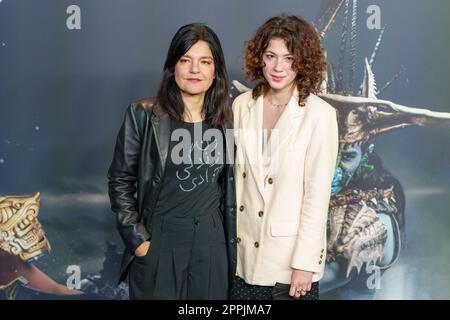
[(204, 57), (286, 55)]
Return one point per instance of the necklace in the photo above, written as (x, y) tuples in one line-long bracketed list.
[(276, 105)]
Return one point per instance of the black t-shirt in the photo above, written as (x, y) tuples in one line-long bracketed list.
[(196, 156)]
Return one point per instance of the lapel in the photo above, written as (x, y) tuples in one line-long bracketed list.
[(252, 139), (281, 134), (161, 128), (229, 145)]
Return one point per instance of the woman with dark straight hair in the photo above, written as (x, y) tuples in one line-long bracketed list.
[(171, 95), (172, 153)]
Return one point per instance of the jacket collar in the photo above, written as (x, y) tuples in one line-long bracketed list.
[(280, 136)]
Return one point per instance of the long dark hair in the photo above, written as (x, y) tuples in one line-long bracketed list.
[(216, 105)]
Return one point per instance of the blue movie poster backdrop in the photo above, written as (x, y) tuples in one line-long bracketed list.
[(68, 69)]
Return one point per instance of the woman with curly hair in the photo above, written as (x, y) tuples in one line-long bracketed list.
[(287, 146)]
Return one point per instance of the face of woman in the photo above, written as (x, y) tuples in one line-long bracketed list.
[(194, 72), (278, 65)]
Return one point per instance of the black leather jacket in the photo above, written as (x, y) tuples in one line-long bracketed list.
[(137, 171)]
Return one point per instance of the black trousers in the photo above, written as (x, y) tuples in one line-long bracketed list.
[(187, 259)]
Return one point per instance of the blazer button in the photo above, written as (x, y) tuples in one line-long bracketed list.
[(320, 262), (241, 208), (270, 180), (256, 244), (238, 240), (260, 213), (244, 175), (321, 256), (322, 250)]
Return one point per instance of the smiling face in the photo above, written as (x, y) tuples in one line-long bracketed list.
[(278, 65), (194, 71)]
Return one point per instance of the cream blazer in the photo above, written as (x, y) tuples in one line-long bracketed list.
[(283, 191)]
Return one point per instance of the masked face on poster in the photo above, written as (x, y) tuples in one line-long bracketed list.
[(21, 233)]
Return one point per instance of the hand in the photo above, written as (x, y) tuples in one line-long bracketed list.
[(300, 283), (142, 249)]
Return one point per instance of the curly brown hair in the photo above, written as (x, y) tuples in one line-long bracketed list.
[(302, 42)]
